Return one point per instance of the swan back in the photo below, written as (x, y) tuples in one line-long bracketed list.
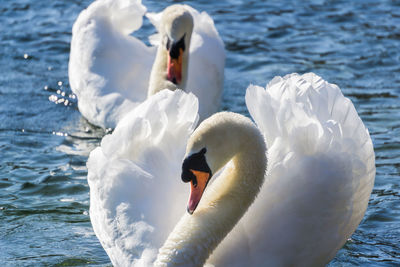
[(320, 174)]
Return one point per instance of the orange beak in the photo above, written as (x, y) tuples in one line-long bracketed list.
[(197, 190), (174, 68)]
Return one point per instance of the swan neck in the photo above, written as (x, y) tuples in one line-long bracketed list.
[(223, 204)]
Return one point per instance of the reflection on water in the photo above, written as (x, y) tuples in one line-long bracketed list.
[(44, 142)]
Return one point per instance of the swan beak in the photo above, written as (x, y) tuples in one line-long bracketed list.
[(197, 187), (174, 68)]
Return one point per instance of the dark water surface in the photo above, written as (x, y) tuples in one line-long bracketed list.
[(44, 141)]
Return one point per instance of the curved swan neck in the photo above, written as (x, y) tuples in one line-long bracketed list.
[(226, 200)]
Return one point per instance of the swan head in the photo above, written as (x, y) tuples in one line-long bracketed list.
[(176, 31), (196, 171), (216, 141), (170, 67), (177, 27)]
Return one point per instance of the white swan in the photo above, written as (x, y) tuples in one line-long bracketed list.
[(320, 175), (109, 70)]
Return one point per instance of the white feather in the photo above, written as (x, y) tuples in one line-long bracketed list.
[(109, 69), (321, 171), (136, 194)]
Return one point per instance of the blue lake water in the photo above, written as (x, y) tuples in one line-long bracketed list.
[(44, 141)]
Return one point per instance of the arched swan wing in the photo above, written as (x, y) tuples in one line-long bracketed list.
[(136, 194), (207, 63), (321, 170)]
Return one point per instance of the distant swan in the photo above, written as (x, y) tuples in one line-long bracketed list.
[(111, 72), (319, 175)]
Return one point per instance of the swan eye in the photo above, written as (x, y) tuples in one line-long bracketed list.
[(187, 175), (197, 162), (175, 48), (181, 43)]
